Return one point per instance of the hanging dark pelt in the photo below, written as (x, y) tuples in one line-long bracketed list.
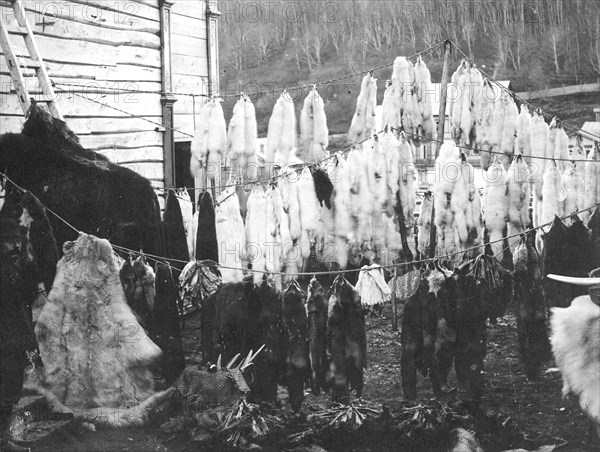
[(137, 279), (206, 238), (165, 330), (534, 346), (317, 328), (594, 225), (323, 186), (580, 261), (174, 231)]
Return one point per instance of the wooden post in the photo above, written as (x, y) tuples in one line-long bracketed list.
[(394, 307), (440, 135)]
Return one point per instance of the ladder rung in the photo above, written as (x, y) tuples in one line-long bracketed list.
[(39, 98), (6, 3), (18, 31), (31, 64)]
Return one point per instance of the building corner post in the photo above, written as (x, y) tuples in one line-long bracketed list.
[(167, 98)]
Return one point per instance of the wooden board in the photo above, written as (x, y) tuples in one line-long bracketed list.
[(150, 170), (187, 45), (125, 140), (194, 9), (187, 65), (86, 126), (123, 10), (190, 84), (149, 153), (186, 26)]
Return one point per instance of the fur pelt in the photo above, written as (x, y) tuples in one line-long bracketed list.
[(424, 96), (592, 182), (390, 144), (317, 324), (176, 246), (237, 131), (250, 163), (523, 130), (360, 195), (561, 149), (288, 184), (447, 173), (323, 186), (484, 125), (497, 122), (95, 353), (362, 124), (507, 145), (187, 213), (460, 200), (84, 188), (424, 224), (576, 347), (518, 190), (377, 168), (574, 185), (274, 131), (455, 96), (390, 111), (256, 232), (206, 234), (308, 201), (539, 138), (406, 182), (137, 279), (495, 207), (313, 127), (551, 189), (231, 236)]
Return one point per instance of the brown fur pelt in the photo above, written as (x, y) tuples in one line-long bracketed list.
[(94, 351)]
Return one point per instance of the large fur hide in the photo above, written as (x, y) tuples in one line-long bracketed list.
[(576, 348), (206, 235), (317, 325), (89, 191), (174, 232), (94, 351)]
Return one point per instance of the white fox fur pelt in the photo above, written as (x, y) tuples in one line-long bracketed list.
[(250, 129), (403, 81), (519, 193), (488, 99), (455, 98), (95, 353), (551, 189), (313, 127), (210, 141), (539, 138), (390, 145), (474, 217), (288, 184), (393, 240), (231, 235), (272, 251), (274, 131), (561, 150), (424, 224), (509, 128), (309, 203), (256, 232), (406, 182), (551, 141), (377, 167), (199, 146), (341, 209), (575, 340), (573, 183), (237, 131), (390, 110), (423, 88), (477, 101), (360, 194), (447, 173), (497, 122), (217, 133), (466, 117), (363, 120), (523, 139), (495, 206), (460, 199), (592, 183)]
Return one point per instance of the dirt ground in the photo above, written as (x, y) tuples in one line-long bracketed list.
[(533, 408)]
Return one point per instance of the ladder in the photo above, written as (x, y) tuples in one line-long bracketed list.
[(36, 63)]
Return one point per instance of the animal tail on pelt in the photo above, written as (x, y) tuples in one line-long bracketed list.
[(575, 343), (109, 417)]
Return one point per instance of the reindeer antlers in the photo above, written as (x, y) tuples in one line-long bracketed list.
[(242, 365)]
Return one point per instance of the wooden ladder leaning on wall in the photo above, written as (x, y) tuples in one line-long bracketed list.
[(15, 67)]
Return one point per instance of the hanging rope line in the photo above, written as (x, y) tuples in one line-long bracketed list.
[(572, 128), (447, 256)]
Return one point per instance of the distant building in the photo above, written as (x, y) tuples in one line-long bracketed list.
[(590, 131)]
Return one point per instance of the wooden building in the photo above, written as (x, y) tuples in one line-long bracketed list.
[(128, 76)]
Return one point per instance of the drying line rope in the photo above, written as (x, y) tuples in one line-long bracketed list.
[(573, 129), (163, 259)]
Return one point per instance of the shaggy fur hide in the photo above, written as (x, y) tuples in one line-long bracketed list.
[(346, 341), (174, 232), (361, 126), (83, 187), (323, 186), (495, 207), (94, 351), (137, 279), (576, 348), (296, 367), (206, 235), (523, 139), (592, 182), (231, 235), (317, 327), (509, 129)]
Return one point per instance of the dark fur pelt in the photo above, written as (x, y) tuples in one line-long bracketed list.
[(594, 226), (86, 189), (138, 285), (206, 239), (317, 328), (412, 340), (295, 344), (323, 186), (165, 330), (534, 346), (174, 233), (346, 341), (580, 260), (40, 235)]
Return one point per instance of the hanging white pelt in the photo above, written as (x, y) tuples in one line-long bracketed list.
[(447, 173), (360, 195), (313, 127), (310, 211), (363, 121), (592, 183), (523, 139), (495, 206), (210, 142), (390, 111), (377, 167), (424, 224), (341, 207), (393, 239), (256, 232), (199, 145), (94, 351), (231, 235), (187, 213), (288, 184), (406, 183), (509, 128), (519, 193), (497, 123), (272, 251), (250, 141), (274, 131), (474, 219), (575, 190), (561, 148), (484, 124), (460, 199), (236, 136), (551, 191), (372, 287), (539, 138), (425, 96), (390, 144), (466, 116), (455, 98), (476, 104), (403, 81)]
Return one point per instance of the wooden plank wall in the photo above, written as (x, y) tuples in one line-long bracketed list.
[(189, 62), (101, 48)]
